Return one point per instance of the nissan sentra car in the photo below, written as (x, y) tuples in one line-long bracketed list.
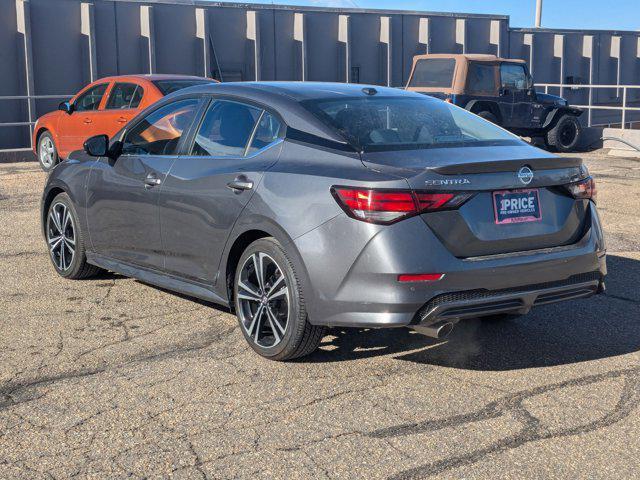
[(307, 205)]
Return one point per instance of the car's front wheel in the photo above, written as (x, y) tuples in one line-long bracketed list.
[(65, 240), (270, 304), (47, 152)]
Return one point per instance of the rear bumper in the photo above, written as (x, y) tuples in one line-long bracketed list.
[(352, 269), (453, 307)]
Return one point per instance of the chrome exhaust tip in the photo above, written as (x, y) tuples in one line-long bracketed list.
[(438, 330)]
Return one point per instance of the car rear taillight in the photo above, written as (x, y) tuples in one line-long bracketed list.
[(389, 206), (584, 189)]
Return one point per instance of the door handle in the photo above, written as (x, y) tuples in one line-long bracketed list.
[(88, 120), (152, 180), (240, 183), (122, 120)]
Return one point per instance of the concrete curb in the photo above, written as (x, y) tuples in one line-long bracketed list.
[(17, 156)]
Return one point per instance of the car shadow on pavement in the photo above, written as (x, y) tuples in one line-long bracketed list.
[(571, 332)]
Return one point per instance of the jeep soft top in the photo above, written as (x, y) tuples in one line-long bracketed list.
[(445, 72)]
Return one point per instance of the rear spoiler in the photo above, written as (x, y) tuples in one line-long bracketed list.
[(509, 165)]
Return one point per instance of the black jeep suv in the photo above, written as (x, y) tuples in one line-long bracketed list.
[(498, 90)]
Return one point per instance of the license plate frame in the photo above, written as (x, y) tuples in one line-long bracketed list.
[(524, 213)]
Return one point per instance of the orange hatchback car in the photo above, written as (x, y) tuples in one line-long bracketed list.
[(103, 107)]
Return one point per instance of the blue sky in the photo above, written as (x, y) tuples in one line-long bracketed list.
[(579, 14)]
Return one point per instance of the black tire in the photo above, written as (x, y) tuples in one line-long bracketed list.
[(300, 338), (565, 135), (47, 152), (488, 116), (77, 268)]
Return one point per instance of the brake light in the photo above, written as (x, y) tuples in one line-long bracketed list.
[(584, 189), (389, 206)]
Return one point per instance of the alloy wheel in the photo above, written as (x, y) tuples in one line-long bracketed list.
[(61, 236), (47, 152), (263, 300)]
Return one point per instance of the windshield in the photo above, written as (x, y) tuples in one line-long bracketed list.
[(406, 122), (170, 86), (433, 73)]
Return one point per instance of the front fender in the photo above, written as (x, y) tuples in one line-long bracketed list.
[(556, 113), (70, 177)]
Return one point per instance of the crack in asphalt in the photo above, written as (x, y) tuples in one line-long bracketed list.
[(11, 393), (532, 429)]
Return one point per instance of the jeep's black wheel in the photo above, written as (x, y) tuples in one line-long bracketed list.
[(565, 135), (270, 304), (488, 116)]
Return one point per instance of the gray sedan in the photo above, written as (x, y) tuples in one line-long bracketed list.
[(307, 205)]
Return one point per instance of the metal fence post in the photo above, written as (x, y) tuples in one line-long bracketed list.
[(590, 105), (624, 106)]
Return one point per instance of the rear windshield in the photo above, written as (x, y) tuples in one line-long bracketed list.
[(433, 73), (169, 86), (405, 123)]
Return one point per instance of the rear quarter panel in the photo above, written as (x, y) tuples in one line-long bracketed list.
[(294, 198)]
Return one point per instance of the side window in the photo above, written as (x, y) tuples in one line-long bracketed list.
[(225, 130), (481, 78), (160, 132), (90, 100), (513, 76), (267, 131), (124, 96)]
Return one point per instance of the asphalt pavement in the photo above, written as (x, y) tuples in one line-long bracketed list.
[(112, 378)]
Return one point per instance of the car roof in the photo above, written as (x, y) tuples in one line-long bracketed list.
[(477, 57), (299, 91), (285, 98), (151, 77)]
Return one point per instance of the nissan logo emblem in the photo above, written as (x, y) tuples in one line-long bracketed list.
[(525, 175)]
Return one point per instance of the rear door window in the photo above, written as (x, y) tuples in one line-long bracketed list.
[(90, 100), (124, 96), (269, 129), (225, 129), (433, 73), (481, 78)]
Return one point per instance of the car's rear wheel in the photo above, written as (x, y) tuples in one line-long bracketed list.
[(66, 241), (488, 116), (565, 134), (47, 152), (270, 304)]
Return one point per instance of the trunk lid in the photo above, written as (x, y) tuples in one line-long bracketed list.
[(472, 229)]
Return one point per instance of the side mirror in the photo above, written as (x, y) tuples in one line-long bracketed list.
[(66, 107), (97, 146)]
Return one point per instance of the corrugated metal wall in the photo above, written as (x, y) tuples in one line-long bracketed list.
[(73, 41)]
